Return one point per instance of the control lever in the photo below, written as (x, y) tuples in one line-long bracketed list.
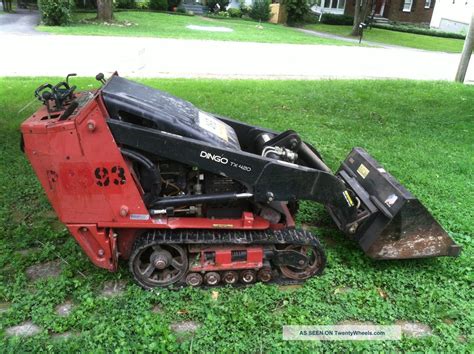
[(100, 77), (68, 76)]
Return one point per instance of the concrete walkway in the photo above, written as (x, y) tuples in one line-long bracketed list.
[(33, 54), (353, 40)]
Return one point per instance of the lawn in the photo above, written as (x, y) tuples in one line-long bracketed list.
[(411, 40), (152, 24), (420, 131)]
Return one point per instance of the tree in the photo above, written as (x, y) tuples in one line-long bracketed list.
[(105, 10), (466, 53), (361, 12), (7, 5)]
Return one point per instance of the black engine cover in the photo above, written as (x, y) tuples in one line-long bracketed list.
[(142, 105)]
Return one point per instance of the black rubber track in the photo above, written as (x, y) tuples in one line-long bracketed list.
[(229, 237)]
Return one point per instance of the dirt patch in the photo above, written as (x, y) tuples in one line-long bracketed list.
[(63, 336), (18, 216), (329, 241), (65, 309), (355, 323), (113, 288), (4, 307), (415, 329), (157, 309), (185, 327), (28, 251), (210, 28), (289, 287), (342, 290), (57, 226), (44, 270), (25, 329)]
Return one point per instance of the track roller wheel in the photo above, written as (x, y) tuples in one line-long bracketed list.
[(230, 277), (212, 278), (157, 265), (264, 275), (248, 276), (194, 279), (316, 262)]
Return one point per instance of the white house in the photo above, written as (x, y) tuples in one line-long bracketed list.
[(329, 6), (452, 15), (235, 4)]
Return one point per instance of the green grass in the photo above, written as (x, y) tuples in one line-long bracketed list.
[(420, 131), (411, 40), (151, 24)]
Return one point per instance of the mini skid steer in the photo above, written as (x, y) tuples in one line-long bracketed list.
[(189, 197)]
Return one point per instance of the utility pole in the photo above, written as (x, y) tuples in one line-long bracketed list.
[(466, 52)]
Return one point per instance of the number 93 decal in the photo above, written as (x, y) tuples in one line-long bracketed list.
[(104, 178)]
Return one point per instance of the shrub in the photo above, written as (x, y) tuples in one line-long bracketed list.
[(234, 12), (125, 4), (56, 12), (422, 31), (332, 19), (297, 10), (244, 8), (158, 5), (224, 14), (142, 5), (260, 10), (173, 3), (311, 17)]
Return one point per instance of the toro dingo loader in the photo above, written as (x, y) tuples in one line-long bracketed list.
[(190, 197)]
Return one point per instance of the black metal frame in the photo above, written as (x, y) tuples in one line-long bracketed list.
[(267, 179)]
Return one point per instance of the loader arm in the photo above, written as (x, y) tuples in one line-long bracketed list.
[(266, 179)]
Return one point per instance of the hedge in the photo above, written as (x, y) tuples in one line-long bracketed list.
[(418, 30)]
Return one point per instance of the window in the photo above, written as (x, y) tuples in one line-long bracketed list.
[(407, 5), (334, 4), (427, 4), (329, 6)]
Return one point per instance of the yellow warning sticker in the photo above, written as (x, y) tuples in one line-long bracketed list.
[(363, 171), (223, 226), (348, 198)]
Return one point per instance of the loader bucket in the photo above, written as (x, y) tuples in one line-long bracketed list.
[(394, 224)]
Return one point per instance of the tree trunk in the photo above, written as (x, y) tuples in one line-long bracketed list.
[(7, 5), (466, 53), (360, 15), (105, 10), (355, 26)]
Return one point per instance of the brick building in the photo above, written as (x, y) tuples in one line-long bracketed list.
[(412, 11)]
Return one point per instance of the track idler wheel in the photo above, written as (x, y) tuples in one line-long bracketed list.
[(212, 278), (194, 279), (230, 277), (316, 262), (248, 276), (264, 275), (158, 265)]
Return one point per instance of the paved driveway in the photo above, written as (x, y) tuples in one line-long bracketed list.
[(32, 54), (21, 22)]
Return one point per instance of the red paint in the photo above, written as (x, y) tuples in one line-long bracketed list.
[(93, 191), (222, 258)]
